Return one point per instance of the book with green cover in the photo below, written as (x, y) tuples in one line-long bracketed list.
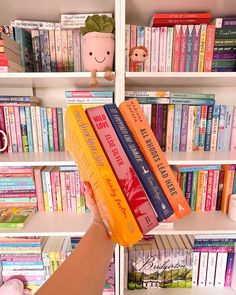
[(15, 217)]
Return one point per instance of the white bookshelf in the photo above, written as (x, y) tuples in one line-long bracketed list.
[(51, 86)]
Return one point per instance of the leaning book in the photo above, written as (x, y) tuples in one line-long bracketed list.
[(15, 217)]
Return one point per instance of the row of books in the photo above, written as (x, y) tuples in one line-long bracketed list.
[(183, 42), (34, 260), (207, 188), (188, 121), (117, 152), (31, 128), (10, 59), (180, 261)]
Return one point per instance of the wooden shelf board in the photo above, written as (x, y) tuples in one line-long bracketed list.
[(160, 79), (51, 80), (53, 224), (63, 158)]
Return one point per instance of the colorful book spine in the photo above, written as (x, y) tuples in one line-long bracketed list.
[(190, 131), (58, 43), (209, 191), (177, 47), (184, 128), (177, 127), (196, 45), (183, 48), (50, 130), (189, 181), (209, 50), (139, 163), (208, 128), (147, 43), (162, 51), (44, 129), (228, 127), (83, 144), (159, 123), (127, 47), (189, 48), (141, 40), (60, 129), (47, 51), (202, 47), (25, 144), (55, 130), (70, 51), (64, 45), (29, 129), (170, 128), (215, 124), (149, 146), (229, 269), (169, 48), (122, 167), (36, 51), (233, 132), (18, 129), (42, 50), (39, 128), (12, 125), (155, 49), (52, 44), (77, 50), (133, 43), (200, 186), (202, 129), (221, 128), (194, 191), (39, 188), (227, 186)]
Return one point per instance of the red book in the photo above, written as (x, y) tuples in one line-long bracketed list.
[(1, 42), (55, 129), (183, 49), (210, 182), (3, 63), (176, 48), (39, 187), (3, 56), (168, 22), (209, 50), (126, 176), (186, 15)]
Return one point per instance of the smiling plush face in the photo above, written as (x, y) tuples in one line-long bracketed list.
[(98, 51)]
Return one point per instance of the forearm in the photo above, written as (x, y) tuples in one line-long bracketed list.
[(74, 277)]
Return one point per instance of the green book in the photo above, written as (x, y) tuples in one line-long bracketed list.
[(15, 217), (194, 191), (60, 129), (50, 130)]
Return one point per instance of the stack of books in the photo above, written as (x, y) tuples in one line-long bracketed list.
[(188, 121), (17, 187), (224, 58), (59, 189), (118, 154), (29, 127), (10, 56), (207, 187), (21, 259), (15, 217), (180, 261)]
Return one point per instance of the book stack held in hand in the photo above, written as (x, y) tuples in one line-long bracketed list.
[(10, 58), (117, 152)]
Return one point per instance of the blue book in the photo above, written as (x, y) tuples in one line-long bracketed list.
[(189, 48), (197, 128), (148, 180), (71, 94), (24, 263), (234, 186), (189, 168), (221, 128), (17, 245), (42, 50), (215, 124), (29, 129), (192, 101), (208, 129), (177, 126), (44, 127), (24, 39), (228, 126)]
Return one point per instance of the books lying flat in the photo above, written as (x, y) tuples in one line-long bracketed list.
[(84, 146), (15, 217)]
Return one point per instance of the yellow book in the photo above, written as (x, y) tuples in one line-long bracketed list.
[(202, 48), (200, 188), (94, 167)]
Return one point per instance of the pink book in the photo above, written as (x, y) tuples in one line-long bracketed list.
[(126, 176), (58, 188), (233, 132), (19, 195), (55, 129), (133, 43), (183, 49), (13, 128), (162, 51), (209, 49), (170, 127), (63, 190), (8, 129), (72, 191), (215, 189), (210, 182), (18, 129), (68, 195), (176, 48), (53, 185)]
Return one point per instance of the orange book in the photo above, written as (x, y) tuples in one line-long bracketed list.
[(94, 167), (227, 186), (200, 188), (144, 136)]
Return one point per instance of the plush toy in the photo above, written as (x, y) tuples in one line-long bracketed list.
[(138, 55), (14, 287), (98, 46)]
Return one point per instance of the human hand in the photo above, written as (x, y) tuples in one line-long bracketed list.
[(91, 203), (14, 287)]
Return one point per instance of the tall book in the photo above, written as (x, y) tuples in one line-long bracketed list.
[(94, 167), (151, 186), (125, 173), (150, 148)]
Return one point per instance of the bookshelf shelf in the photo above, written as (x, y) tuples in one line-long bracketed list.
[(151, 79), (53, 224), (69, 224), (182, 291), (63, 158), (51, 80), (36, 159)]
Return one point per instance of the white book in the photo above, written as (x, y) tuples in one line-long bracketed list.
[(155, 46), (169, 48), (196, 260), (170, 127), (211, 267), (202, 269), (220, 269), (127, 47), (190, 128), (162, 56), (126, 261), (203, 203), (159, 261), (34, 128), (39, 128), (80, 17), (147, 110), (49, 189), (148, 39), (228, 127)]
